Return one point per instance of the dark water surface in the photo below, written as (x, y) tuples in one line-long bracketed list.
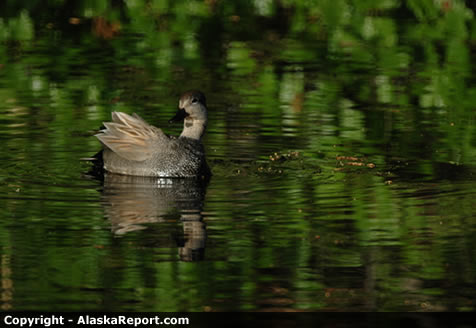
[(342, 141)]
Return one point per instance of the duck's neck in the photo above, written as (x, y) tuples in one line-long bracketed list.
[(193, 128)]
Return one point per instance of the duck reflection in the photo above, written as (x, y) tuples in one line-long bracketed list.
[(130, 202)]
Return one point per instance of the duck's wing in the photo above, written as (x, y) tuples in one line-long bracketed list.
[(131, 137)]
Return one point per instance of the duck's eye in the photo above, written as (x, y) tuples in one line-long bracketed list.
[(194, 100)]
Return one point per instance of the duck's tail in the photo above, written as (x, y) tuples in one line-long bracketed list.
[(97, 169)]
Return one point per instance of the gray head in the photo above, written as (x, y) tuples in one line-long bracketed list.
[(193, 110)]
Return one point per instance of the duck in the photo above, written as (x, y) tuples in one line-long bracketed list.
[(131, 146)]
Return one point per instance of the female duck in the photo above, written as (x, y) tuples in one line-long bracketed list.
[(133, 147)]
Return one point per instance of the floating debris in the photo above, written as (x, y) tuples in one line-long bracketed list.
[(284, 156), (354, 161)]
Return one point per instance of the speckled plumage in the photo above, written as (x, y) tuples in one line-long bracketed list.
[(133, 147)]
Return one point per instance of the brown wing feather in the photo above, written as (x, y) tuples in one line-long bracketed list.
[(131, 137)]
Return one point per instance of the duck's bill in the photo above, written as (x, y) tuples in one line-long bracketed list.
[(179, 116)]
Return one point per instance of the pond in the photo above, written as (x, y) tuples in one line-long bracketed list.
[(342, 141)]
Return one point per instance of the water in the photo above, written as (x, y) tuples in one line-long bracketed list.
[(343, 163)]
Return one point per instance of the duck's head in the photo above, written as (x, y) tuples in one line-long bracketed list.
[(192, 105), (193, 110)]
